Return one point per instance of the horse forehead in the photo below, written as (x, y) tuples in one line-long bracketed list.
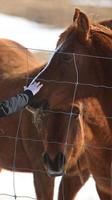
[(59, 50), (47, 65)]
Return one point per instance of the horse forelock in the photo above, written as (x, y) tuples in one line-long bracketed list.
[(37, 117)]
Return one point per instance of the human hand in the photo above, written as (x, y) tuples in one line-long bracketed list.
[(34, 87)]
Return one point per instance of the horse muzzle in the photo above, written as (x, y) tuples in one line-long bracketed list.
[(54, 167)]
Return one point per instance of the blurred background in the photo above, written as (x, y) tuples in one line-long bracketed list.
[(37, 24), (56, 12)]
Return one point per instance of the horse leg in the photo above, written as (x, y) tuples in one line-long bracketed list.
[(70, 185), (101, 172), (44, 186)]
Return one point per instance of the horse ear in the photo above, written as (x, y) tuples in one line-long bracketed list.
[(83, 26), (76, 15)]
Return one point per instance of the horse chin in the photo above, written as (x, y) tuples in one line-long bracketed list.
[(55, 173)]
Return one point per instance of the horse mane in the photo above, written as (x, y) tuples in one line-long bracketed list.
[(102, 39), (102, 29), (97, 30)]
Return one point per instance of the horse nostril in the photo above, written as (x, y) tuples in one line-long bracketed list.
[(45, 157), (56, 164), (60, 159)]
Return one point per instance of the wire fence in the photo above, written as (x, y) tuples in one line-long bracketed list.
[(17, 138)]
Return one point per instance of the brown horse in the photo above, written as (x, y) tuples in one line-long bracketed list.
[(76, 122), (16, 65), (21, 146), (17, 131)]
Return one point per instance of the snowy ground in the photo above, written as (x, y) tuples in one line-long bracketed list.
[(24, 187), (30, 34)]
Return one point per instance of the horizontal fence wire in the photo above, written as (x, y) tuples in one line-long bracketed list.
[(16, 197), (18, 138)]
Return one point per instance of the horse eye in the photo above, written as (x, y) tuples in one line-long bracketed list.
[(66, 57), (76, 111), (37, 104)]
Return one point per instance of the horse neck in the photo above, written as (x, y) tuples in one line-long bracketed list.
[(95, 76), (102, 43)]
